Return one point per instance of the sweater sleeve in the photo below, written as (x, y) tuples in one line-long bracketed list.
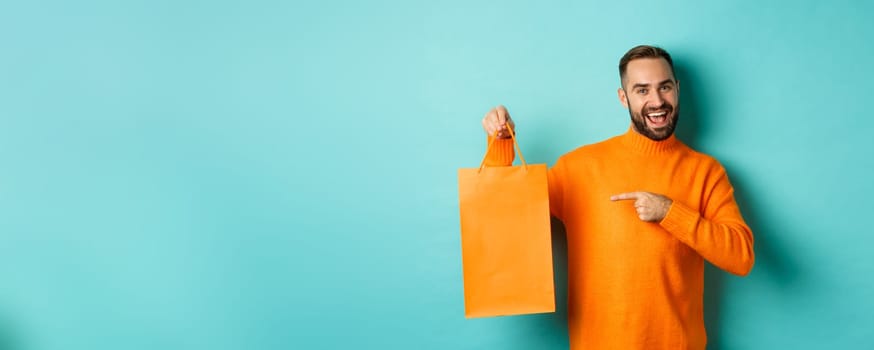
[(555, 178), (718, 232), (501, 153)]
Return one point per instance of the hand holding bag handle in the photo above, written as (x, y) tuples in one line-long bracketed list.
[(515, 145)]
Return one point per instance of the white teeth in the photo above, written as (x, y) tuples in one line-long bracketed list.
[(659, 114)]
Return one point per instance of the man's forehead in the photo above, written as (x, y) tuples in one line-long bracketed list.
[(648, 71)]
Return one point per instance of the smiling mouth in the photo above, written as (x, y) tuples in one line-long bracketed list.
[(658, 119)]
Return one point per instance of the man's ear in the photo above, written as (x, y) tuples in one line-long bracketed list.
[(622, 97)]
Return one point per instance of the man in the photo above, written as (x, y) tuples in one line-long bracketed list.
[(642, 211)]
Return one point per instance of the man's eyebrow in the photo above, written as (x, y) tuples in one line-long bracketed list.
[(663, 82)]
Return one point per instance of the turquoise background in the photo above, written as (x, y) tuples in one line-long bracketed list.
[(282, 175)]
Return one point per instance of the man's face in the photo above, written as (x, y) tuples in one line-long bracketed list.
[(651, 94)]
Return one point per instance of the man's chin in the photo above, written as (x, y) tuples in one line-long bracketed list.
[(659, 134)]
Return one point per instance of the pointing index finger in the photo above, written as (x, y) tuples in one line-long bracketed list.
[(625, 196)]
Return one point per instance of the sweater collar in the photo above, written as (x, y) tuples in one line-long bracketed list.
[(642, 144)]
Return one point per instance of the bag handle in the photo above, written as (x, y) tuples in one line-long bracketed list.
[(515, 145)]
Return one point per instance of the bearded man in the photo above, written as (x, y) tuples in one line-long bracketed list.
[(642, 212)]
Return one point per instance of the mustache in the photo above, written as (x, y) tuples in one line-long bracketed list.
[(667, 107)]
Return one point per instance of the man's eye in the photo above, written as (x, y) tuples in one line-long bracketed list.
[(642, 91), (667, 88)]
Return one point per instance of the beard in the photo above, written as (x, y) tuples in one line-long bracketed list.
[(639, 121)]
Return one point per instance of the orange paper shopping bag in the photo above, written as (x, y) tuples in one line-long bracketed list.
[(505, 239)]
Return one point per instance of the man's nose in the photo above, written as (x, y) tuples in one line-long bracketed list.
[(658, 100)]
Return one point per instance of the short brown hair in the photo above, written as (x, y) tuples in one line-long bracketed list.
[(643, 51)]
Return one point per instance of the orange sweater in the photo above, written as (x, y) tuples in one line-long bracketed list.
[(634, 284)]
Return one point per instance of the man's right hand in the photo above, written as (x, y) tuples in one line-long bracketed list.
[(496, 121)]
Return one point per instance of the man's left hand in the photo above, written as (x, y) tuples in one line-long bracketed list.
[(651, 207)]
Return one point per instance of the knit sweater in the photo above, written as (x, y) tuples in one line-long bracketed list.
[(635, 284)]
